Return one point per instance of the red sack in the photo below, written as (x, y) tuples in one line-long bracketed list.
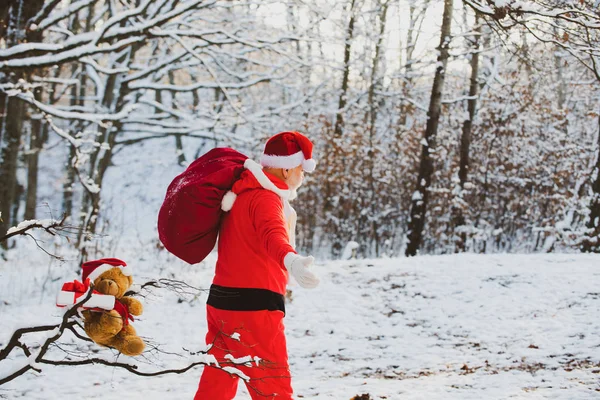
[(189, 218)]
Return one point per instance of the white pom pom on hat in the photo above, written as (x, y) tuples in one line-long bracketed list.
[(309, 165)]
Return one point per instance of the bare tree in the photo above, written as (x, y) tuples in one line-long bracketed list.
[(16, 15), (574, 28), (37, 136), (420, 197), (591, 242), (208, 52), (465, 139), (416, 14), (373, 103), (343, 97)]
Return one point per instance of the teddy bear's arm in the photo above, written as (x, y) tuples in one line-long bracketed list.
[(134, 305)]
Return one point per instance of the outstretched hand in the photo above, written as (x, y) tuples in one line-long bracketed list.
[(298, 266)]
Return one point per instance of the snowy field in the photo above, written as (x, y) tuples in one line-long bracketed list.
[(443, 327)]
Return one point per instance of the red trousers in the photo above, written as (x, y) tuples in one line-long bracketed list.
[(261, 334)]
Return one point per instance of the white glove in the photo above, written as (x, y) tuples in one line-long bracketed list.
[(298, 267)]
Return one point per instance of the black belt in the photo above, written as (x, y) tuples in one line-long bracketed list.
[(245, 299)]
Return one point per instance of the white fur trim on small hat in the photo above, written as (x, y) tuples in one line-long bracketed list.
[(127, 271), (228, 200)]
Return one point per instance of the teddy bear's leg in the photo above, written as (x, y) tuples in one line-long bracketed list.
[(128, 342), (102, 326)]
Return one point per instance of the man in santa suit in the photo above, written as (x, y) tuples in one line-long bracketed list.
[(256, 255)]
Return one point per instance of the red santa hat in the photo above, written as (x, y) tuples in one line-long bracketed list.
[(288, 150), (93, 269)]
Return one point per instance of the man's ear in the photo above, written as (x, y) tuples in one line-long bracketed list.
[(285, 173)]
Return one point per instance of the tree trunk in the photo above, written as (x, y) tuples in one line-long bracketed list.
[(591, 243), (36, 141), (101, 159), (91, 201), (525, 60), (12, 109), (90, 204), (69, 184), (561, 84), (372, 130), (407, 81), (178, 141), (13, 112), (465, 139), (421, 195), (77, 98), (331, 144), (416, 17), (339, 119)]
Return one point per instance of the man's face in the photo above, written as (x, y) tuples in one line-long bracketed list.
[(295, 177)]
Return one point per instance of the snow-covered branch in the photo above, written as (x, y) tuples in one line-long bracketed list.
[(34, 357), (52, 226), (51, 352), (88, 43), (574, 28), (51, 19), (501, 9)]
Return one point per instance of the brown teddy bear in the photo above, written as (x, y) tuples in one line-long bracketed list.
[(111, 328)]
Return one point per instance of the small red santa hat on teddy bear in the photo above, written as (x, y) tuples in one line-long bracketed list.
[(93, 269), (72, 292), (288, 150)]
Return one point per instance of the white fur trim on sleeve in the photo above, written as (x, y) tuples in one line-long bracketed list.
[(228, 200)]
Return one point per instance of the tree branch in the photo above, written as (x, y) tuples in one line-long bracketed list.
[(160, 136), (56, 332), (49, 225)]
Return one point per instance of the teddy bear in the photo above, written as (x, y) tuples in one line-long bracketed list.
[(111, 328)]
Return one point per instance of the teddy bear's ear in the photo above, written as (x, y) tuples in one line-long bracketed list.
[(130, 278)]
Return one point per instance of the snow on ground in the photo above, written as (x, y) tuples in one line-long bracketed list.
[(431, 327)]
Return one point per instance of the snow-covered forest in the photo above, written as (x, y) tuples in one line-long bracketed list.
[(506, 162), (440, 127)]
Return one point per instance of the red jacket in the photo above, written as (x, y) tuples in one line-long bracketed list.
[(254, 236)]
